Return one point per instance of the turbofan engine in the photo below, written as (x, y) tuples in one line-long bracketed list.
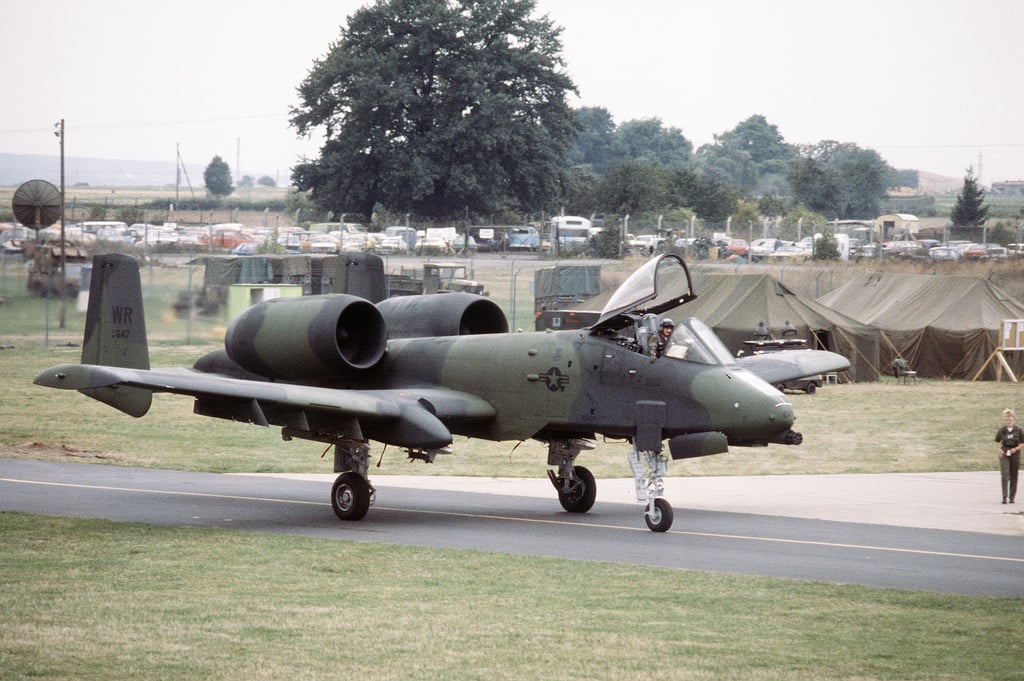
[(442, 314), (327, 336)]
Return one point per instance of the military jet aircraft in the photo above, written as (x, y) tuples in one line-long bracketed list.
[(412, 371)]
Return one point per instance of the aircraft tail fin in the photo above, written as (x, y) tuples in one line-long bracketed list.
[(115, 329)]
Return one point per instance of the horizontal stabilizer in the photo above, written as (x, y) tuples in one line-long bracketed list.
[(100, 383)]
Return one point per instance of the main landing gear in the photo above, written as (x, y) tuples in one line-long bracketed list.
[(577, 488), (352, 495)]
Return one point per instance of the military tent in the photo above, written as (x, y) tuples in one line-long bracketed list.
[(944, 326), (734, 304)]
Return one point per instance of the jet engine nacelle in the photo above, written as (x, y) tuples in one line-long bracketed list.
[(327, 336), (442, 314)]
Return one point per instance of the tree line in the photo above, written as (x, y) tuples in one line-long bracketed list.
[(458, 110)]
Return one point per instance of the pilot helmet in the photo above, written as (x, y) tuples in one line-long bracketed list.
[(667, 322)]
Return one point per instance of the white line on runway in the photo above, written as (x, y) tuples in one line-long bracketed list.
[(803, 542)]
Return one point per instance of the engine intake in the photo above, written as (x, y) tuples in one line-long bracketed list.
[(327, 336), (442, 314)]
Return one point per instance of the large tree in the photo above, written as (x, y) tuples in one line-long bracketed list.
[(647, 140), (437, 106), (634, 186), (840, 180), (594, 145), (753, 156)]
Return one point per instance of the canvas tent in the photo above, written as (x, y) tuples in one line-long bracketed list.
[(733, 305), (944, 326)]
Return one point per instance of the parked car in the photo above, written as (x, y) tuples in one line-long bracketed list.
[(759, 248), (905, 249), (808, 384), (974, 251), (789, 254), (397, 239), (460, 243), (323, 243), (392, 245), (737, 247), (944, 253), (359, 243), (646, 244), (432, 244)]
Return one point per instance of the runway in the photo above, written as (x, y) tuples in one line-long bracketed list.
[(793, 535)]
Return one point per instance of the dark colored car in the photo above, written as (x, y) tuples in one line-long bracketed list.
[(808, 384)]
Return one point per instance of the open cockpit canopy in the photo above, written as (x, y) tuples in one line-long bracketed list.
[(662, 284)]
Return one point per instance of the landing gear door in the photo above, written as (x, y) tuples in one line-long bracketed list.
[(650, 419)]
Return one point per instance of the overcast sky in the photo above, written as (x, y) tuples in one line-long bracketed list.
[(930, 84)]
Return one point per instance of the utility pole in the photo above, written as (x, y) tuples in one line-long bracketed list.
[(63, 244)]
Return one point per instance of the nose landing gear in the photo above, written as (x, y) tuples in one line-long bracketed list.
[(649, 469)]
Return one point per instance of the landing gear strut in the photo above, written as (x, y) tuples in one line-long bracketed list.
[(352, 494), (577, 488), (648, 470)]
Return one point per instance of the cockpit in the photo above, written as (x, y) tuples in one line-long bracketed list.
[(693, 341), (633, 314)]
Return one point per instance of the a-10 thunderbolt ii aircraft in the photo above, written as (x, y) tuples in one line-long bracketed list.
[(412, 371)]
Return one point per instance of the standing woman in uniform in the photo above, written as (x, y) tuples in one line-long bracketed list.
[(1010, 439)]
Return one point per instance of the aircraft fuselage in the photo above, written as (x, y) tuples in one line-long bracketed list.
[(578, 383)]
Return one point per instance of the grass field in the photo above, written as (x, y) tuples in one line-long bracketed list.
[(98, 600)]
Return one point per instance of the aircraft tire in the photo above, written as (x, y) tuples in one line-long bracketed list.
[(350, 496), (581, 498), (662, 517)]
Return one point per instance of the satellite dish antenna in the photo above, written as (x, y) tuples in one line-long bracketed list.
[(36, 204)]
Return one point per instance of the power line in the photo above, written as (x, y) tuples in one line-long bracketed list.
[(948, 146), (151, 124)]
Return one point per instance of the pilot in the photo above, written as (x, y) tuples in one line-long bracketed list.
[(761, 332), (657, 342)]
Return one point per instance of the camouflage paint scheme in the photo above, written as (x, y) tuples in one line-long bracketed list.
[(326, 368)]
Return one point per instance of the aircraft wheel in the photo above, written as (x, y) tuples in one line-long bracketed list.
[(350, 496), (582, 492), (661, 519)]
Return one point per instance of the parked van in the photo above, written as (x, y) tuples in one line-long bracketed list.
[(524, 238), (571, 231)]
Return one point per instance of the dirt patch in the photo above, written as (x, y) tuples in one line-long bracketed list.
[(53, 452)]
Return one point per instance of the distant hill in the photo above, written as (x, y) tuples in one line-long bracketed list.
[(95, 172), (930, 183), (100, 172)]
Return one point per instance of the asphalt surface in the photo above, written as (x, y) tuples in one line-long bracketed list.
[(932, 532)]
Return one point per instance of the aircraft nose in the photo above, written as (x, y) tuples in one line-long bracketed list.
[(783, 411), (760, 411)]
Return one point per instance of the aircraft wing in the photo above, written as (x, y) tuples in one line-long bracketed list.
[(405, 417), (788, 365)]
